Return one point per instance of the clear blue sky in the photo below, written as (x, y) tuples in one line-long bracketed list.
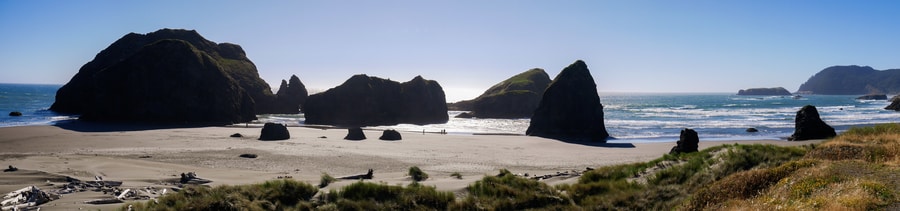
[(630, 46)]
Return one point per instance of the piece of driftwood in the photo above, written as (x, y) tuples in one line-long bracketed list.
[(359, 176)]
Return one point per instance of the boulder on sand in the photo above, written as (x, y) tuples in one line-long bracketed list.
[(390, 135), (808, 125), (272, 131), (570, 108), (355, 134), (687, 142)]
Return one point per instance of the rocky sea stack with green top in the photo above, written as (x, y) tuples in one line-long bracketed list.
[(516, 97), (167, 76)]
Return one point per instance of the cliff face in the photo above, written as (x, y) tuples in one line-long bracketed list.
[(170, 75), (570, 108), (853, 80), (516, 97), (764, 91), (367, 101)]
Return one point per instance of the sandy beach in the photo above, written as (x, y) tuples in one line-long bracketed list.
[(142, 156)]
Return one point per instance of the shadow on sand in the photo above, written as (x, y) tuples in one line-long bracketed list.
[(85, 126), (593, 143)]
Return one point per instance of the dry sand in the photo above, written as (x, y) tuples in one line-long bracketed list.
[(143, 156)]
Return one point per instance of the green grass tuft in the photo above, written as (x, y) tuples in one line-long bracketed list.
[(326, 180), (417, 174), (456, 175)]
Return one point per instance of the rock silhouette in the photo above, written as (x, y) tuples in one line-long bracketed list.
[(15, 113), (355, 134), (688, 141), (390, 135), (570, 108), (369, 101), (808, 125), (167, 76), (291, 95), (272, 132)]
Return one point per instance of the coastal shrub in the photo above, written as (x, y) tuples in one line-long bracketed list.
[(376, 196), (270, 195), (456, 175), (742, 185), (827, 185), (326, 180), (507, 191), (879, 143), (417, 174)]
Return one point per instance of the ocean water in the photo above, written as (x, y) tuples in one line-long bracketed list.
[(32, 100), (628, 117), (660, 117)]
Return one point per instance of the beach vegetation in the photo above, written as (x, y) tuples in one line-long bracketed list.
[(507, 191), (417, 174), (380, 196), (456, 175), (325, 180), (270, 195)]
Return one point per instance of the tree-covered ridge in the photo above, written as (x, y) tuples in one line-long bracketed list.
[(853, 80)]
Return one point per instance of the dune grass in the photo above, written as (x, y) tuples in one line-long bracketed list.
[(379, 196), (417, 174), (270, 195), (858, 170), (325, 180)]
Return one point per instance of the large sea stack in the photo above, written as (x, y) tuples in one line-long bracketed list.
[(368, 101), (516, 97), (570, 108), (167, 76), (808, 125)]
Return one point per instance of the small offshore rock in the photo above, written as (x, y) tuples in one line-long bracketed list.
[(895, 104), (873, 97), (15, 113), (465, 115), (752, 130)]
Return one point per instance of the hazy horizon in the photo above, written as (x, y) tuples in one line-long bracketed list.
[(467, 46)]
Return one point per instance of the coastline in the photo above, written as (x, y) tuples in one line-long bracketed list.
[(146, 156)]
